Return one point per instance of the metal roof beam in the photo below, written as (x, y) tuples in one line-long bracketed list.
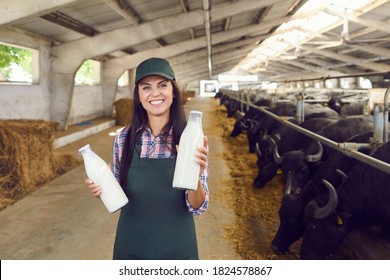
[(373, 50), (379, 67), (376, 24), (304, 66), (203, 74), (242, 45), (202, 61), (124, 37), (70, 23), (123, 63)]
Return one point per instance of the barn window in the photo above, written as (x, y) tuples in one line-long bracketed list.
[(124, 79), (208, 87), (88, 73), (18, 64), (364, 82)]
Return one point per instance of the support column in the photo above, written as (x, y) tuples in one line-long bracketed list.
[(110, 76), (131, 73), (61, 93), (63, 71)]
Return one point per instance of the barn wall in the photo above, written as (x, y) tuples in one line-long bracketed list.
[(123, 92), (86, 104), (32, 102), (24, 102)]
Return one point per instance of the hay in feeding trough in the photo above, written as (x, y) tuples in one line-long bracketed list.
[(185, 96), (124, 111)]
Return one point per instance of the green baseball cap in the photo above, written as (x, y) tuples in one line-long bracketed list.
[(154, 66)]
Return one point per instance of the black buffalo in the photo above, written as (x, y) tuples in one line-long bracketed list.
[(232, 105), (362, 199), (287, 139), (294, 201), (262, 124), (302, 165), (346, 108), (250, 118)]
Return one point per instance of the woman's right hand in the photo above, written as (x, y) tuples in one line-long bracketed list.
[(95, 188)]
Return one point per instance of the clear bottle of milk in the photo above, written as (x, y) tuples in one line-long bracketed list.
[(187, 170), (97, 170)]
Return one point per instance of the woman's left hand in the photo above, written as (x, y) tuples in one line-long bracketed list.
[(202, 155)]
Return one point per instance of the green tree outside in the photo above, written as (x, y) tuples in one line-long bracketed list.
[(84, 75), (15, 64)]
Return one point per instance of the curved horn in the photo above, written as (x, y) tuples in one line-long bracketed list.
[(342, 174), (265, 135), (277, 158), (288, 186), (317, 156), (253, 123), (258, 151), (323, 212), (243, 123), (274, 139)]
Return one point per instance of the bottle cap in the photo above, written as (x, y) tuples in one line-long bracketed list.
[(83, 148), (197, 113)]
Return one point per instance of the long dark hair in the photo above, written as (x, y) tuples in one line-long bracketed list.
[(139, 119)]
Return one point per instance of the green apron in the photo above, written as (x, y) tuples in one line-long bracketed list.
[(156, 223)]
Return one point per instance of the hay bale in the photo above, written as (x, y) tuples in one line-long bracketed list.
[(124, 111), (27, 159), (26, 153), (65, 162)]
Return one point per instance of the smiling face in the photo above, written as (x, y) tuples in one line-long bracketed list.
[(156, 95)]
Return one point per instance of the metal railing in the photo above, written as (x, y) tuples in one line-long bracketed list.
[(347, 148)]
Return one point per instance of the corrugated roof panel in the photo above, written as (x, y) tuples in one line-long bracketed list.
[(150, 9), (48, 29)]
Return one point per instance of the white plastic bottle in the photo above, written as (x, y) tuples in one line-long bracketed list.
[(187, 170), (97, 170)]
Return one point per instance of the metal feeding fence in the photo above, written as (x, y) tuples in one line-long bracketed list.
[(348, 148)]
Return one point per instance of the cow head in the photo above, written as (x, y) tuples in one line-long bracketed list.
[(239, 126), (218, 95), (265, 145), (253, 133), (325, 229), (267, 170), (267, 167), (232, 107), (335, 103), (301, 165), (291, 222)]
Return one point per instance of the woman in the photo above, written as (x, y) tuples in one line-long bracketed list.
[(157, 223)]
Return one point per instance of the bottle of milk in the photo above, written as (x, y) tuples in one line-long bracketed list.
[(97, 170), (187, 170)]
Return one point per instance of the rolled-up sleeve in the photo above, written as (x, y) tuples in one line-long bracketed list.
[(204, 181), (117, 148)]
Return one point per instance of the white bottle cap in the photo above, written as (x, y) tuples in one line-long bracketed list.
[(198, 113), (83, 148)]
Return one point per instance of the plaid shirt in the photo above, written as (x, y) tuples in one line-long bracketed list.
[(159, 146)]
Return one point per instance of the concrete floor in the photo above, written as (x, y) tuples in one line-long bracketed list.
[(63, 221)]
